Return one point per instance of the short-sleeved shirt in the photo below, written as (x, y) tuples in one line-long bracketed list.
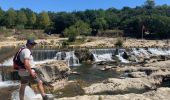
[(26, 54)]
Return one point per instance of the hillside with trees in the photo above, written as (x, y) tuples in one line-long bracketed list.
[(149, 21)]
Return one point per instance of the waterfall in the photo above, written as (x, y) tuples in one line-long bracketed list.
[(8, 62), (102, 54), (121, 58), (107, 54), (41, 55), (159, 51), (69, 57)]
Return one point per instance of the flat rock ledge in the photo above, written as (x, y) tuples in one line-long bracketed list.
[(159, 94), (127, 85)]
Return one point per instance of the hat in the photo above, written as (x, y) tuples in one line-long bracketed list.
[(31, 42)]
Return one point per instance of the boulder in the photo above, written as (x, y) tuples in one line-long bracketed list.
[(6, 89), (54, 74)]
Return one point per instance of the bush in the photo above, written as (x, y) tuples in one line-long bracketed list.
[(119, 43), (65, 44), (71, 38), (20, 27)]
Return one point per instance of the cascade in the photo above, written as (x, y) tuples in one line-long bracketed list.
[(69, 57)]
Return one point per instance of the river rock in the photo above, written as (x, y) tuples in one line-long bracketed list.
[(6, 89), (159, 94), (137, 74), (55, 73), (114, 85)]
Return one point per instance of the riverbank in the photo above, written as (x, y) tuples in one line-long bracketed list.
[(90, 42)]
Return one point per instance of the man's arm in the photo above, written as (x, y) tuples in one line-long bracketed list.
[(28, 67)]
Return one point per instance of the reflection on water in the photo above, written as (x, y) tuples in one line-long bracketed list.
[(92, 73), (88, 74)]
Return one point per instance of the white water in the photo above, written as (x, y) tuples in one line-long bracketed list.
[(29, 95), (69, 57), (9, 62), (107, 54), (102, 57), (102, 54), (8, 83), (122, 59), (99, 55), (159, 51)]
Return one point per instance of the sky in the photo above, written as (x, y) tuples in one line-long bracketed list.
[(72, 5)]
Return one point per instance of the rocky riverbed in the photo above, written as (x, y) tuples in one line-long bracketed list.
[(139, 82)]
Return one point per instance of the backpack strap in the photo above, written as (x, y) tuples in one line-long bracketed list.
[(17, 60)]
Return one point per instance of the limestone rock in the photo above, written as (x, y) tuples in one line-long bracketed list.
[(159, 94)]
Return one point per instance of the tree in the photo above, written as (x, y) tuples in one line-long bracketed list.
[(71, 33), (1, 16), (43, 20), (64, 20), (99, 24), (78, 28), (83, 28), (32, 20), (10, 18), (21, 18), (149, 4), (112, 20)]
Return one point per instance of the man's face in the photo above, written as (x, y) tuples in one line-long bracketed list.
[(32, 46)]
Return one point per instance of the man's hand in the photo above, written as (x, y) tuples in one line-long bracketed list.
[(33, 74)]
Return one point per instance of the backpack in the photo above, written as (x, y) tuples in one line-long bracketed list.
[(17, 63)]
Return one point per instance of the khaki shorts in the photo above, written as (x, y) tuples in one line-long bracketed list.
[(27, 78)]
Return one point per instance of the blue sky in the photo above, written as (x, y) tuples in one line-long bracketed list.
[(72, 5)]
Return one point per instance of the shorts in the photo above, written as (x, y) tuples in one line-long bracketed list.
[(27, 78)]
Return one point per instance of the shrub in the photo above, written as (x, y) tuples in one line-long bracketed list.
[(119, 43)]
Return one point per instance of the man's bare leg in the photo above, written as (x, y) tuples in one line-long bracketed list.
[(22, 91), (41, 88)]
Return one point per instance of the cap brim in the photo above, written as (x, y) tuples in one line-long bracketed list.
[(33, 43)]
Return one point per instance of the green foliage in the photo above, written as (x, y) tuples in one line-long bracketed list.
[(63, 20), (21, 18), (100, 24), (32, 19), (43, 20), (19, 27), (112, 20), (10, 18), (31, 36), (71, 24), (65, 44), (79, 28), (82, 28), (71, 31), (149, 4)]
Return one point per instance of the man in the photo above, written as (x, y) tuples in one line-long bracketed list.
[(26, 72)]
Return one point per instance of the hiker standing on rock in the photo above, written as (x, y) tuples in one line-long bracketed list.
[(23, 62)]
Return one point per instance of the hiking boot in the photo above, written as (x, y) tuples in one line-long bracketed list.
[(45, 97)]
